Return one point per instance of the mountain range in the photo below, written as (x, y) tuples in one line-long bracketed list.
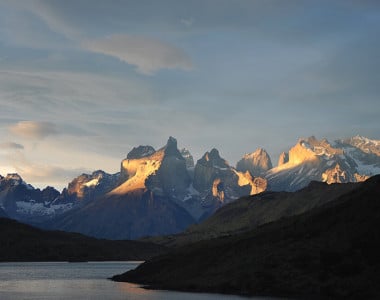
[(162, 191)]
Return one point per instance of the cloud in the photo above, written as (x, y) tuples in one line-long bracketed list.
[(147, 54), (11, 145), (187, 22), (42, 174), (33, 129)]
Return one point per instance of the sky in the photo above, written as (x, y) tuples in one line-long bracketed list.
[(84, 81)]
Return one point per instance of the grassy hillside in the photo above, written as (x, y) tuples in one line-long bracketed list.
[(331, 251)]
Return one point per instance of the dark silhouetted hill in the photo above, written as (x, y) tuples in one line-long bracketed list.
[(329, 252)]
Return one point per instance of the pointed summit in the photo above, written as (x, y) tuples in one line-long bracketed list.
[(171, 148), (256, 163), (140, 151)]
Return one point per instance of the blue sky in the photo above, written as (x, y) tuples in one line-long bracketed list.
[(84, 81)]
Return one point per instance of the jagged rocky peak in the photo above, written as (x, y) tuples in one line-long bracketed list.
[(188, 158), (171, 148), (163, 172), (171, 178), (256, 163), (213, 159), (87, 186), (311, 150), (140, 152), (363, 143), (14, 179), (283, 158), (207, 169)]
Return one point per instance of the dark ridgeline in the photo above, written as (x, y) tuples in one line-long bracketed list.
[(20, 242), (328, 252)]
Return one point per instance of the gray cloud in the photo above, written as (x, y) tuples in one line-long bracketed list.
[(147, 54), (11, 145), (33, 129)]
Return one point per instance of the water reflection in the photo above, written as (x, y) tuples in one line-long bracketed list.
[(66, 281)]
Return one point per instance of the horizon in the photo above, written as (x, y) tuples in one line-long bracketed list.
[(82, 83)]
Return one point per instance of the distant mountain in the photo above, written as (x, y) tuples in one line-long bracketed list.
[(157, 192), (218, 183), (146, 201), (22, 201), (20, 242), (351, 160), (330, 252), (256, 163), (175, 192)]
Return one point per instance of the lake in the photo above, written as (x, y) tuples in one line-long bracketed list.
[(61, 280)]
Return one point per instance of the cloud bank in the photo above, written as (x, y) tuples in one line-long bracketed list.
[(11, 146), (147, 54), (33, 129)]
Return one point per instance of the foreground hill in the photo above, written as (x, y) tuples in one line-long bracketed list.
[(20, 242), (331, 251), (249, 212)]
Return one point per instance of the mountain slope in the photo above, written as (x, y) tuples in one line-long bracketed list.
[(250, 212), (20, 242), (130, 216), (329, 252)]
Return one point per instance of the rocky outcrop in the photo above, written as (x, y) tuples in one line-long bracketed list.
[(171, 179), (90, 186), (140, 152), (283, 159), (336, 175), (219, 183), (188, 158), (256, 163)]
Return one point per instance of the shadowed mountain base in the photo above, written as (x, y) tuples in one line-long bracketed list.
[(329, 252), (20, 242)]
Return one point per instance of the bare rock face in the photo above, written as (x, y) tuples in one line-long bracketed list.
[(140, 152), (336, 175), (171, 178), (256, 163), (219, 183), (208, 168), (90, 186), (188, 158), (283, 159)]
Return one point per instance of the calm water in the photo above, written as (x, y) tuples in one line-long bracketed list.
[(81, 281)]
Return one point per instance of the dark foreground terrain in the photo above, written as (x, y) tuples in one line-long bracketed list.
[(20, 242), (329, 252)]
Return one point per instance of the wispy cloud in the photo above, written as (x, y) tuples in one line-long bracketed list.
[(147, 54), (33, 129), (42, 174), (11, 145), (187, 22)]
